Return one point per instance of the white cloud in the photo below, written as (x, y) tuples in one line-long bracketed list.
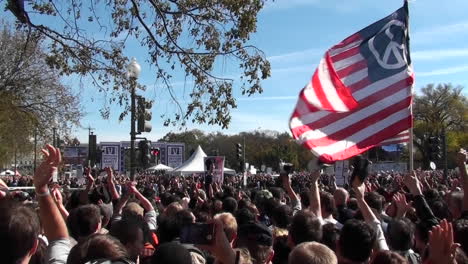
[(281, 4), (268, 98), (296, 55), (444, 71), (439, 54), (440, 32), (303, 68), (248, 121)]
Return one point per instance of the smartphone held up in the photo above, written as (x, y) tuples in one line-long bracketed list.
[(197, 234)]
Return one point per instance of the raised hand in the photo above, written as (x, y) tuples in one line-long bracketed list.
[(441, 246), (401, 204), (359, 188), (57, 196), (413, 184), (110, 174), (47, 168), (89, 177), (132, 187), (220, 248)]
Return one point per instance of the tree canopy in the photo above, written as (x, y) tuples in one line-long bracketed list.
[(194, 37), (439, 109), (31, 94)]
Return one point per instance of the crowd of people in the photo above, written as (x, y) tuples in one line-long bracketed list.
[(416, 217)]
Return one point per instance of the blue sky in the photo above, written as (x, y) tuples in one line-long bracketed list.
[(294, 34)]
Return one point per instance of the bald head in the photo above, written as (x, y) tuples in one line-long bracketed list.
[(312, 253), (341, 196)]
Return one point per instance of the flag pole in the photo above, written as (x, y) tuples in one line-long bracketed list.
[(411, 136)]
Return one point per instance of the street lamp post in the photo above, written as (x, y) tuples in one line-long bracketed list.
[(53, 136), (35, 148), (133, 71)]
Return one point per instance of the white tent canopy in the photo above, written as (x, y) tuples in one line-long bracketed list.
[(196, 164), (160, 167), (7, 172)]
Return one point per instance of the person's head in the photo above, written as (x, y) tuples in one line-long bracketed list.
[(217, 206), (19, 230), (440, 209), (331, 235), (387, 257), (96, 247), (173, 208), (230, 225), (132, 208), (106, 213), (375, 201), (168, 198), (277, 193), (455, 204), (400, 234), (245, 216), (185, 217), (312, 253), (341, 197), (168, 228), (304, 228), (171, 253), (352, 231), (460, 233), (258, 239), (210, 165), (327, 203), (282, 216), (84, 221), (131, 232), (229, 205), (422, 234)]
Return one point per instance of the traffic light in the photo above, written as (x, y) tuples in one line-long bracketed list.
[(435, 148), (155, 155), (239, 151), (145, 152), (143, 115)]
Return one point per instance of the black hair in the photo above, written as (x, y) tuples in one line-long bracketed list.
[(460, 232), (330, 236), (83, 220), (282, 216), (352, 231), (305, 228), (229, 205), (374, 200), (400, 234), (244, 216), (19, 229), (328, 202)]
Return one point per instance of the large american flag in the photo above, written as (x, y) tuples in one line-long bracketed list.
[(361, 93)]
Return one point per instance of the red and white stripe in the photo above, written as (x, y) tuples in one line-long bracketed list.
[(380, 113), (403, 137)]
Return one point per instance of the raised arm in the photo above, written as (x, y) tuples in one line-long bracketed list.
[(59, 201), (51, 218), (144, 202), (89, 185), (423, 210), (314, 194), (111, 185), (462, 157), (367, 213)]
